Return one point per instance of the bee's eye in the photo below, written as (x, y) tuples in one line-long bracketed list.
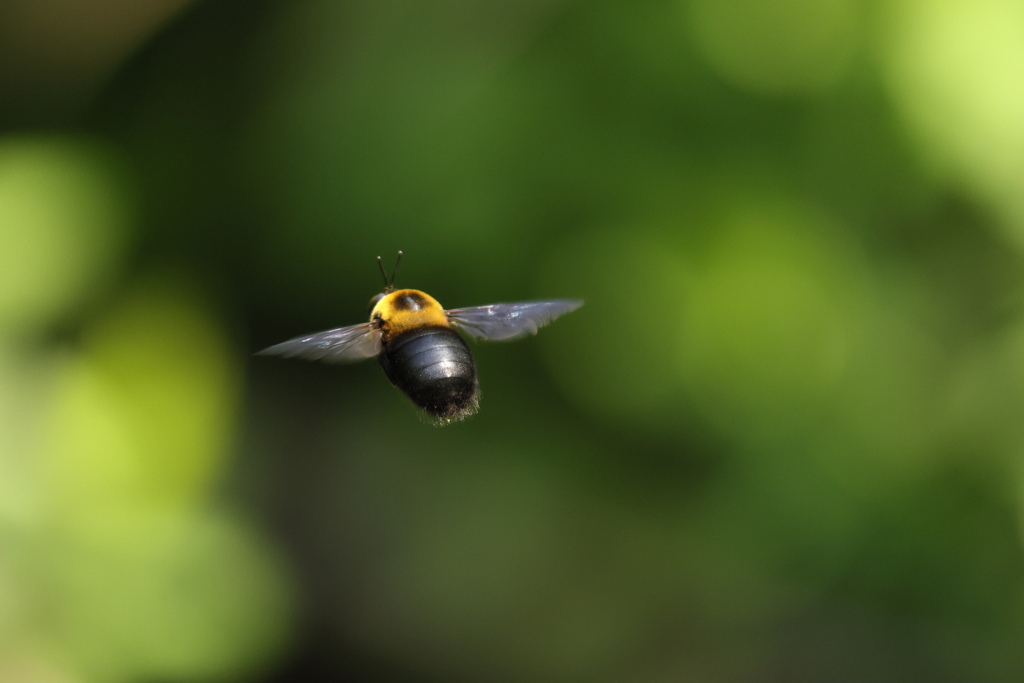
[(373, 302)]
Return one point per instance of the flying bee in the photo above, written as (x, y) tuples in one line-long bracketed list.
[(418, 344)]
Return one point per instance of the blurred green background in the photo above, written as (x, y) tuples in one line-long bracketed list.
[(781, 442)]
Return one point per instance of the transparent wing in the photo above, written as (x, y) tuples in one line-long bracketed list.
[(499, 322), (341, 345)]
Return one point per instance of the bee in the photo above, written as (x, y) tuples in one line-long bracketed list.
[(417, 343)]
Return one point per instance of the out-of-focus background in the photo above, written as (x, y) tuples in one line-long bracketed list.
[(782, 441)]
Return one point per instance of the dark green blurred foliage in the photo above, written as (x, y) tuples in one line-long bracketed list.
[(781, 441)]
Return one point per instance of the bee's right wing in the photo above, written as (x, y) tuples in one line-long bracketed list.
[(502, 322), (341, 345)]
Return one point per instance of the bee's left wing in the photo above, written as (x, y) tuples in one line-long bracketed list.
[(341, 345), (499, 322)]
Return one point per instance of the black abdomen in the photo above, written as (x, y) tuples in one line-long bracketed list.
[(435, 368)]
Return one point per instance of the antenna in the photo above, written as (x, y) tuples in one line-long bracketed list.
[(388, 286), (382, 273)]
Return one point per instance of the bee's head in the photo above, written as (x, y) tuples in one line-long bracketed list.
[(375, 300)]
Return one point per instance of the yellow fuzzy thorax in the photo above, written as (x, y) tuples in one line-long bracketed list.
[(405, 309)]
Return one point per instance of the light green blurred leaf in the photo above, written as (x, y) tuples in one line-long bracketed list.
[(64, 215), (143, 417), (953, 69)]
